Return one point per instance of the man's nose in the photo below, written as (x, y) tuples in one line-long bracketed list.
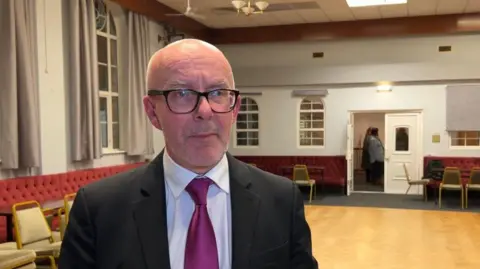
[(204, 110)]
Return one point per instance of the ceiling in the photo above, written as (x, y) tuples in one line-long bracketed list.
[(325, 11), (317, 20)]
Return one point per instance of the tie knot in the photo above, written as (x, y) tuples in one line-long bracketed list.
[(198, 189)]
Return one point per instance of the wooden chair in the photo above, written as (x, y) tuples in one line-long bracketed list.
[(301, 178), (411, 182), (473, 183), (452, 180)]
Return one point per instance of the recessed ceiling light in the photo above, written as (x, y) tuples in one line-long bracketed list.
[(366, 3)]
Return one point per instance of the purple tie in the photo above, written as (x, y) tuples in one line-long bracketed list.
[(201, 248)]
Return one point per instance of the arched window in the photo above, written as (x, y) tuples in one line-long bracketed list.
[(107, 77), (311, 122), (247, 123)]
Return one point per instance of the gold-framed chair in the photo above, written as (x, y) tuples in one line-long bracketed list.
[(452, 180), (64, 212), (302, 178), (473, 183), (17, 259), (33, 232), (415, 182)]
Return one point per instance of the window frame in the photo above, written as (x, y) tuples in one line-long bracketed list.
[(236, 130), (109, 95), (298, 129), (452, 147)]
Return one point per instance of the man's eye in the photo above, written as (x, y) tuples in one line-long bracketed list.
[(184, 93)]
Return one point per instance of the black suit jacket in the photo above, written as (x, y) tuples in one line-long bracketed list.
[(120, 222)]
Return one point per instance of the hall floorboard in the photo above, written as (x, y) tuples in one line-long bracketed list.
[(356, 237)]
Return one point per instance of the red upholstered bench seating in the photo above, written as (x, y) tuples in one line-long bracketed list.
[(50, 187), (334, 173), (462, 163)]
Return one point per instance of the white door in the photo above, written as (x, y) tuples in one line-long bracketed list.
[(349, 155), (402, 146)]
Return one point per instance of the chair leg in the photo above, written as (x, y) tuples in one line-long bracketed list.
[(439, 197), (53, 263), (409, 186), (463, 200), (466, 198), (425, 192), (311, 192)]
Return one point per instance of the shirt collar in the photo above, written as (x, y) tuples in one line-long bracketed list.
[(178, 177)]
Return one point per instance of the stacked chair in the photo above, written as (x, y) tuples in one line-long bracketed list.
[(35, 241), (33, 232), (17, 259)]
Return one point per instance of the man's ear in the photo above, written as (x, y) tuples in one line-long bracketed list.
[(236, 109), (151, 112)]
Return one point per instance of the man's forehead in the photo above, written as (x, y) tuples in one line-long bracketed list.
[(180, 61)]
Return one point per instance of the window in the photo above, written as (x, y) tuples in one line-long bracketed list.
[(247, 123), (107, 78), (401, 139), (465, 139), (311, 124)]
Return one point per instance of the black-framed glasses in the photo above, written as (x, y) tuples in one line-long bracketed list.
[(184, 101)]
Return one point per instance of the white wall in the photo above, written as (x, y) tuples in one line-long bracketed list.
[(349, 70), (52, 67), (360, 61), (279, 111)]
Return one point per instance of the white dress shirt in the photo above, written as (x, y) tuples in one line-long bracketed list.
[(180, 209)]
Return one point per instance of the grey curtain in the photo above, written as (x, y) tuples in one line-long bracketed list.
[(463, 107), (139, 131), (85, 141), (19, 104)]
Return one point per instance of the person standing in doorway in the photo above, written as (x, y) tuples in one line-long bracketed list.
[(376, 151), (366, 166)]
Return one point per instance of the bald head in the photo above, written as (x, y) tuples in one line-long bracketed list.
[(178, 61)]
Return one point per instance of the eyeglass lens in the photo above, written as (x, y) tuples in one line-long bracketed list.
[(184, 101)]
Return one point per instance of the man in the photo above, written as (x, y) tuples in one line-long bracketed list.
[(377, 156), (194, 206)]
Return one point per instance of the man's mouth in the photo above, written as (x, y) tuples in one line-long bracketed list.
[(203, 135)]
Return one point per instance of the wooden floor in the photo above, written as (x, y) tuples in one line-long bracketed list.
[(356, 237)]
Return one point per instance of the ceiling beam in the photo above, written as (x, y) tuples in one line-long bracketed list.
[(381, 28), (156, 11)]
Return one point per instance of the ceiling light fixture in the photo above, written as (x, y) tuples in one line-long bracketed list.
[(247, 8), (367, 3)]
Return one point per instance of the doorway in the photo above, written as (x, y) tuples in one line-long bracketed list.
[(363, 121), (401, 134)]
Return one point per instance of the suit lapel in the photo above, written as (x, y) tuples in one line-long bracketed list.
[(150, 216), (245, 204)]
